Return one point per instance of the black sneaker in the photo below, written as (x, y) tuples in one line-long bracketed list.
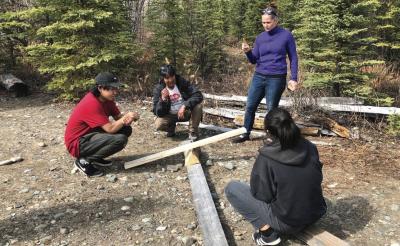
[(242, 138), (87, 168), (272, 239), (102, 163)]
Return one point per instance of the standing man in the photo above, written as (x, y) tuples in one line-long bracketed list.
[(269, 54), (176, 99), (90, 136)]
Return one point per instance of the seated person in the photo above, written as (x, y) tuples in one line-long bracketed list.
[(90, 136), (176, 99), (285, 193)]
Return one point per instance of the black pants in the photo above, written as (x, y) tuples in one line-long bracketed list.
[(99, 144)]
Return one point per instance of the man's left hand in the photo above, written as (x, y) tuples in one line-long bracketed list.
[(181, 112)]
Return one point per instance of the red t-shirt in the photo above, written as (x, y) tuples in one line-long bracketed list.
[(88, 114)]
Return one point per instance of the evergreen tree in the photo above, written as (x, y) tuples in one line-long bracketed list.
[(236, 17), (252, 21), (165, 19), (72, 41), (335, 43), (388, 29)]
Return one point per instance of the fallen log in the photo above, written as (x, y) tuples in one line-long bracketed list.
[(184, 148), (287, 101), (14, 85), (333, 126), (210, 225), (315, 236), (259, 124), (339, 106)]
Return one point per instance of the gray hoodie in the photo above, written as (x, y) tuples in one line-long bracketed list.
[(290, 180)]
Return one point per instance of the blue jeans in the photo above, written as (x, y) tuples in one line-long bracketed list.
[(270, 87)]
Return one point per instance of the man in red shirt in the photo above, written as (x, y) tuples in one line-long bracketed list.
[(90, 136)]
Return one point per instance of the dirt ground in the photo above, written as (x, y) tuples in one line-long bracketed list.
[(42, 203)]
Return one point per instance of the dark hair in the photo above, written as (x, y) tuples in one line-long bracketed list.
[(280, 124), (167, 70), (95, 91), (271, 10)]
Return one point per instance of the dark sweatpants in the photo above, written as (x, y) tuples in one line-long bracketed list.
[(257, 212), (99, 144)]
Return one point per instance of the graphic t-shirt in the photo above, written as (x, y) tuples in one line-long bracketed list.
[(88, 114), (176, 100)]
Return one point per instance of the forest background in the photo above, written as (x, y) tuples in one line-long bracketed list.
[(346, 47)]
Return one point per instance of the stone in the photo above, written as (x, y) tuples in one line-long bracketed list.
[(64, 231), (174, 168), (209, 163), (125, 208), (146, 220), (59, 215), (25, 190), (136, 227), (394, 207), (161, 228), (229, 165), (42, 144), (46, 240), (188, 241), (192, 226), (129, 199), (111, 178)]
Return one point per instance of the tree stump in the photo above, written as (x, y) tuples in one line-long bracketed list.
[(14, 85)]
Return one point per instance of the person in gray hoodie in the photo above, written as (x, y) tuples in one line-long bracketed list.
[(285, 193)]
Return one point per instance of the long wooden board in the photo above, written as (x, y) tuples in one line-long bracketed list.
[(210, 225), (184, 148), (315, 236)]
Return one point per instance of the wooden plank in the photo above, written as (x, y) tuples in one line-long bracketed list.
[(287, 101), (210, 225), (259, 124), (349, 108), (315, 236), (183, 148)]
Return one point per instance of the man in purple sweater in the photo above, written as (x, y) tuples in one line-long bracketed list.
[(269, 80)]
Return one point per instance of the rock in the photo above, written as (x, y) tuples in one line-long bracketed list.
[(59, 215), (129, 199), (146, 220), (161, 228), (111, 178), (174, 168), (192, 226), (46, 240), (125, 208), (64, 231), (229, 165), (188, 241), (42, 144), (333, 185), (394, 207), (53, 168), (136, 227), (394, 243), (25, 190), (209, 163), (40, 227)]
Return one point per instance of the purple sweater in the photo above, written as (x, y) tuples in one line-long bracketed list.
[(269, 53)]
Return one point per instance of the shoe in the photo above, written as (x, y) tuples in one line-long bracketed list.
[(87, 168), (102, 163), (171, 134), (242, 138), (193, 136), (272, 239)]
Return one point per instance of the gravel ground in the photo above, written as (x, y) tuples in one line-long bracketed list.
[(43, 203)]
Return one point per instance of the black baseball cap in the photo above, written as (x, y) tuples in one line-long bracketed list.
[(107, 79)]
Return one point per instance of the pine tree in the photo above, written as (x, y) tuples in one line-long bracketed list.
[(252, 21), (236, 17), (165, 19), (72, 42), (335, 43)]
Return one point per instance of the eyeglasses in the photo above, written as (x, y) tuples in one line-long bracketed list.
[(269, 11)]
